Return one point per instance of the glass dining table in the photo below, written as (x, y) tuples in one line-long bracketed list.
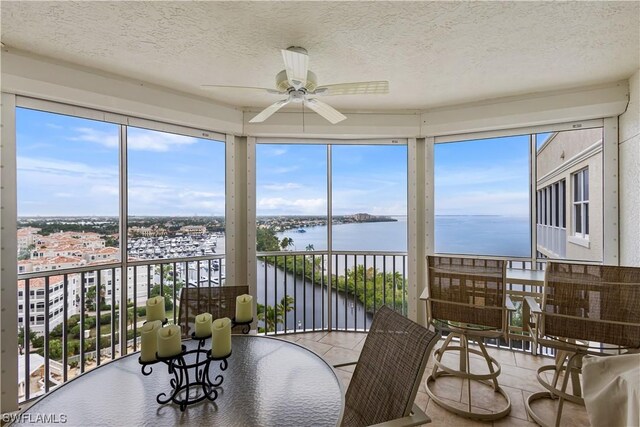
[(268, 382)]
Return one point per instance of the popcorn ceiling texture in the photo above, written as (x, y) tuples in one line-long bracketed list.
[(433, 53)]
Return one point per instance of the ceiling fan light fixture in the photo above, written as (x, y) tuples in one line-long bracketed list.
[(298, 82)]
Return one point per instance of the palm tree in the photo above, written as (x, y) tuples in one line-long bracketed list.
[(272, 317), (310, 247), (286, 243)]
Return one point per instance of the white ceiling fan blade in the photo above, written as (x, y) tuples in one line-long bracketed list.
[(269, 111), (328, 112), (271, 91), (297, 65), (356, 88)]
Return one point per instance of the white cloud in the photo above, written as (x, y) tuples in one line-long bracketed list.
[(64, 168), (137, 140), (282, 170), (281, 187), (292, 206)]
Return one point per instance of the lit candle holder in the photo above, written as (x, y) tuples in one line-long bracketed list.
[(203, 325), (149, 340), (244, 308), (169, 343), (221, 337), (155, 309)]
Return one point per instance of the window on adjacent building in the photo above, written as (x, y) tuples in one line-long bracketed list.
[(581, 203)]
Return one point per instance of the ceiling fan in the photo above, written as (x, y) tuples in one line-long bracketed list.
[(299, 84)]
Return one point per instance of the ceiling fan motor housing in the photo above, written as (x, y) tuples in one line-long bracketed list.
[(283, 85)]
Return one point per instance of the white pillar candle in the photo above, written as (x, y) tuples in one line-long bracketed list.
[(221, 337), (169, 343), (203, 325), (155, 309), (149, 340), (244, 308)]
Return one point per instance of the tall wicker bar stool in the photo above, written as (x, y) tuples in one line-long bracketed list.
[(586, 309), (219, 301), (466, 297), (388, 373)]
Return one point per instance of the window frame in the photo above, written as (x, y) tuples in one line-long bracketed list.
[(580, 184)]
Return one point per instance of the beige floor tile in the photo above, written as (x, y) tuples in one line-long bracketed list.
[(522, 378), (529, 361), (292, 338), (347, 340), (339, 355), (447, 387), (513, 422), (313, 336), (422, 400), (348, 368), (573, 415), (314, 346), (483, 396), (441, 417), (518, 410), (345, 378)]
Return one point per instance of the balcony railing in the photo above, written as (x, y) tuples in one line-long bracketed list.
[(553, 240), (79, 319), (81, 307), (310, 291)]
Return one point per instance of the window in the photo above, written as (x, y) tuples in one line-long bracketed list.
[(176, 189), (482, 197), (369, 190), (291, 197), (581, 203), (67, 185)]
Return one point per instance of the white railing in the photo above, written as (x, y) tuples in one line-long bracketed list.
[(552, 240)]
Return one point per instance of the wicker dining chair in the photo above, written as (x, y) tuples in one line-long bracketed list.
[(466, 297), (388, 373), (586, 309), (220, 301)]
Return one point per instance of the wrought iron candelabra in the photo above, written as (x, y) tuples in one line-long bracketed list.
[(191, 381)]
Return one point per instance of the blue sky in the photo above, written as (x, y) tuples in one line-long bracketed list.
[(69, 166), (483, 177)]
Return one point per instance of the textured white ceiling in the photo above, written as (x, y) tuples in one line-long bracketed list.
[(432, 53)]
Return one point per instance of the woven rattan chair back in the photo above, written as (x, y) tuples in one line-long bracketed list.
[(598, 303), (220, 301), (467, 290), (389, 370)]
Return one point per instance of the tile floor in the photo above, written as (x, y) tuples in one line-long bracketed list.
[(518, 379)]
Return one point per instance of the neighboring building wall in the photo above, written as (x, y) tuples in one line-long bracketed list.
[(629, 136), (563, 155)]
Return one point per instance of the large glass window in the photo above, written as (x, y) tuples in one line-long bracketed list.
[(482, 197), (291, 196), (369, 197), (176, 189), (68, 197)]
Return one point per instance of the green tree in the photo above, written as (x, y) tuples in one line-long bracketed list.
[(286, 243), (272, 317), (310, 247), (32, 336), (266, 240)]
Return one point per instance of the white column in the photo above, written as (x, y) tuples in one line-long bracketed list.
[(8, 258), (611, 212), (420, 222)]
